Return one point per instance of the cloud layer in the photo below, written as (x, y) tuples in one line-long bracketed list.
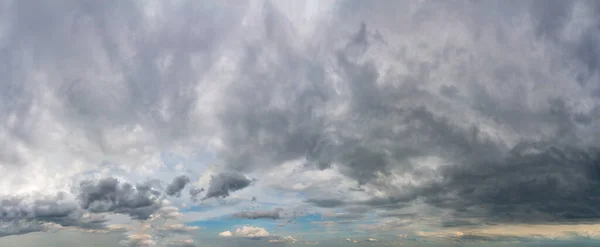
[(419, 113)]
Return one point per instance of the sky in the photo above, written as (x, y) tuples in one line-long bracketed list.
[(294, 123)]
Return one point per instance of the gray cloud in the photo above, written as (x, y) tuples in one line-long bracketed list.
[(326, 203), (194, 193), (109, 68), (177, 185), (21, 215), (506, 101), (537, 183), (434, 103), (111, 195), (222, 184), (273, 214), (8, 228)]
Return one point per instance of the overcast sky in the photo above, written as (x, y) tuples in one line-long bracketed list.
[(330, 122)]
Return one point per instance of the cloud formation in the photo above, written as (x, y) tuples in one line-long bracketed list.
[(177, 185), (24, 215), (516, 232), (448, 110), (222, 184), (111, 195), (506, 140), (87, 209), (273, 214), (247, 232)]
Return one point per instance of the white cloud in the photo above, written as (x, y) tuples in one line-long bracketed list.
[(251, 232), (247, 232), (288, 239)]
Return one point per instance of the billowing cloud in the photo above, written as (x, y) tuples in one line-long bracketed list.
[(222, 184), (177, 185), (288, 239), (111, 195), (247, 232), (87, 210), (25, 215)]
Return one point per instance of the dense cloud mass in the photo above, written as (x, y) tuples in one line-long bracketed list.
[(110, 195), (476, 111), (20, 215), (222, 184), (23, 215), (485, 118), (177, 185)]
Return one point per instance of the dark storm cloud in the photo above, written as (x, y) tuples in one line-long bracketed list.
[(390, 118), (536, 183), (20, 215), (112, 195), (504, 93), (273, 214), (361, 141), (177, 185), (222, 184)]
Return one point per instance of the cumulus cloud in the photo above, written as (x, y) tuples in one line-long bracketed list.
[(415, 120), (87, 209), (112, 195), (288, 239), (20, 215), (222, 184), (247, 232), (251, 232), (177, 185)]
